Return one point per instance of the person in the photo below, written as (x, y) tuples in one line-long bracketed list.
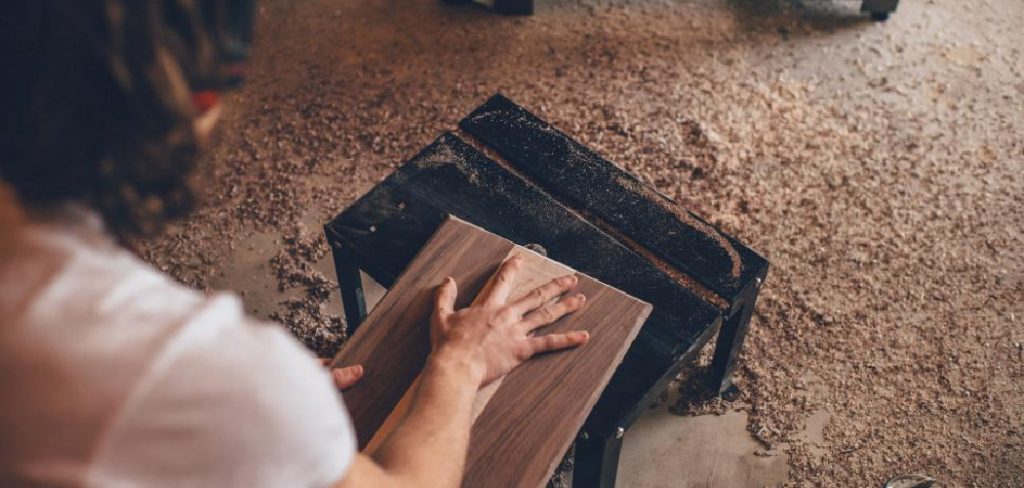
[(114, 375)]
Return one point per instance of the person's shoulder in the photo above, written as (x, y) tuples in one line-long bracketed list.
[(83, 316), (66, 265), (245, 401), (71, 289)]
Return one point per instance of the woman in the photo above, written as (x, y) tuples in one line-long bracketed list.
[(114, 375)]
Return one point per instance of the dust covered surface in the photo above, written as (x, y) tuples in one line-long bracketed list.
[(877, 166)]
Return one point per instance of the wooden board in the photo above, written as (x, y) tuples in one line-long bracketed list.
[(527, 421)]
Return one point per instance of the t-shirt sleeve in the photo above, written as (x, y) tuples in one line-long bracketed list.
[(230, 402)]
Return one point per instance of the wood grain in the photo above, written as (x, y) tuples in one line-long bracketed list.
[(524, 423), (535, 271), (393, 342)]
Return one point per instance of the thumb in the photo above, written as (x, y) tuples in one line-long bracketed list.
[(347, 377)]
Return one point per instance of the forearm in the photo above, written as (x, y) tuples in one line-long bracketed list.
[(429, 447)]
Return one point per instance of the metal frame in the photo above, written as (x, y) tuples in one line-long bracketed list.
[(731, 336)]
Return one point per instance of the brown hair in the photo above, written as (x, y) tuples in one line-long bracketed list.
[(97, 108)]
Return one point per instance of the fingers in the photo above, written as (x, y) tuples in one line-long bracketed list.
[(543, 294), (444, 298), (347, 377), (556, 342), (496, 291), (554, 311)]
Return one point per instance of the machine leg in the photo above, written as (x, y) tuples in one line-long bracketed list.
[(727, 349), (597, 462), (513, 7), (351, 287), (879, 9)]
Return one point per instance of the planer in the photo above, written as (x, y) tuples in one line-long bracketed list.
[(513, 174)]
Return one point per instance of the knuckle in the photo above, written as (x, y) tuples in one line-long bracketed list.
[(505, 315), (524, 353)]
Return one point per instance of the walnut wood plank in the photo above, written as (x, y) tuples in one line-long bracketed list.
[(535, 412), (535, 271), (393, 342)]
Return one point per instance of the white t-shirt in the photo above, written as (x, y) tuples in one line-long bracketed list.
[(113, 375)]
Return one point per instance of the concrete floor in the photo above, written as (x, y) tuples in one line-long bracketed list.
[(878, 166), (663, 450)]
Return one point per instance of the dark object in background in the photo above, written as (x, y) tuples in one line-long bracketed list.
[(503, 7), (910, 481), (523, 179), (878, 9)]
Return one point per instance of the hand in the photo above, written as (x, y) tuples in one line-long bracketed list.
[(346, 377), (496, 336)]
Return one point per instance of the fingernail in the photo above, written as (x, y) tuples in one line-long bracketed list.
[(582, 298), (448, 280), (583, 335)]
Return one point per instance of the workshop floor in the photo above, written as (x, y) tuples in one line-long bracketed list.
[(880, 167)]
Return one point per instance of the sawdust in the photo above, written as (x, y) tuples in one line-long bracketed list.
[(878, 167), (307, 316), (679, 277), (689, 219), (443, 155)]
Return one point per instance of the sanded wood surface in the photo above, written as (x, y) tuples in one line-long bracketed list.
[(535, 270), (393, 342), (527, 421)]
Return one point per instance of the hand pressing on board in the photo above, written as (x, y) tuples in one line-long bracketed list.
[(495, 335)]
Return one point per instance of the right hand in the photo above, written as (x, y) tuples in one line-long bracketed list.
[(494, 335)]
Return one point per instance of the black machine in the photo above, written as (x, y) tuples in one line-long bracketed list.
[(517, 176)]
